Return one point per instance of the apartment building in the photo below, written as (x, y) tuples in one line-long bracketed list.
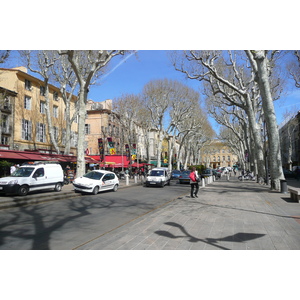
[(7, 98), (100, 123), (24, 125), (289, 133)]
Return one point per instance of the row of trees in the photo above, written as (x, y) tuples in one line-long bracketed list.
[(240, 87), (171, 109)]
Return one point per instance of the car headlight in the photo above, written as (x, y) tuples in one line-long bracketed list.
[(13, 182)]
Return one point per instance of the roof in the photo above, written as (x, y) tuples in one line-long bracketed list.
[(9, 91)]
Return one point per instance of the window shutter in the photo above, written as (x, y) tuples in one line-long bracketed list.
[(23, 129), (29, 130)]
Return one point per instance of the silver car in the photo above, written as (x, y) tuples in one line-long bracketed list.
[(96, 181)]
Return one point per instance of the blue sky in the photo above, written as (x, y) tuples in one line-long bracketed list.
[(135, 72)]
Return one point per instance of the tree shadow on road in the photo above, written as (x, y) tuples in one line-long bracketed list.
[(45, 223)]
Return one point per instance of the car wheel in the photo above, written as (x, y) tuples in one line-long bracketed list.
[(95, 190), (23, 190), (58, 187), (115, 188)]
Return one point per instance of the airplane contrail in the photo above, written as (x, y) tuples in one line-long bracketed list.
[(119, 64)]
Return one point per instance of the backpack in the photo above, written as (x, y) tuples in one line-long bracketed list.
[(193, 176)]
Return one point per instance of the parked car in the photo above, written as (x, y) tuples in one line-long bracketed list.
[(289, 174), (158, 176), (207, 173), (184, 177), (175, 174), (217, 173), (33, 177), (96, 181)]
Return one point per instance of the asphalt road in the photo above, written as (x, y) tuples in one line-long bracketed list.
[(72, 223)]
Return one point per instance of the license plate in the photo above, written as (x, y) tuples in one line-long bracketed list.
[(152, 182)]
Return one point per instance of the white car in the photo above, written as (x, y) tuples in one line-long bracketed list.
[(96, 181)]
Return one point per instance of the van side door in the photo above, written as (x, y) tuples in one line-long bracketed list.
[(38, 179)]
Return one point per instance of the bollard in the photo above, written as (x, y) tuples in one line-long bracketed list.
[(227, 177), (135, 178), (203, 182), (283, 186), (127, 179)]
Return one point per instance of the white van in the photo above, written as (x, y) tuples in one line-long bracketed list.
[(33, 177), (158, 176)]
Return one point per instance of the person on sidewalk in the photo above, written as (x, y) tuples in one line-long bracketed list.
[(13, 168), (194, 182)]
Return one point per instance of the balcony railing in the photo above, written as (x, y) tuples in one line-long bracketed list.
[(6, 107), (6, 129)]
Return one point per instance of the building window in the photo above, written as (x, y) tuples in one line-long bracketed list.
[(55, 111), (87, 128), (4, 140), (228, 158), (27, 85), (42, 90), (42, 107), (55, 132), (55, 96), (26, 130), (41, 132), (218, 158), (27, 102)]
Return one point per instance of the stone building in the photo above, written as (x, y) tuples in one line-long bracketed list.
[(218, 155), (25, 124)]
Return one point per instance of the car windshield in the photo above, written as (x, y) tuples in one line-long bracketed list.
[(22, 172), (176, 172), (186, 172), (156, 173), (94, 175)]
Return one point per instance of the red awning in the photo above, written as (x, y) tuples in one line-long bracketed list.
[(136, 165), (8, 154), (118, 160)]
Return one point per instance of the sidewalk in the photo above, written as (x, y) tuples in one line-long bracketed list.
[(227, 215)]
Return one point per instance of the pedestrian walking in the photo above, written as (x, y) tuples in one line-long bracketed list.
[(194, 183)]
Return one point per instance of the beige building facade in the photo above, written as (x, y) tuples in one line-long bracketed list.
[(100, 123), (218, 155), (28, 119)]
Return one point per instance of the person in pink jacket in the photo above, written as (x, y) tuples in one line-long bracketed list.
[(194, 183)]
